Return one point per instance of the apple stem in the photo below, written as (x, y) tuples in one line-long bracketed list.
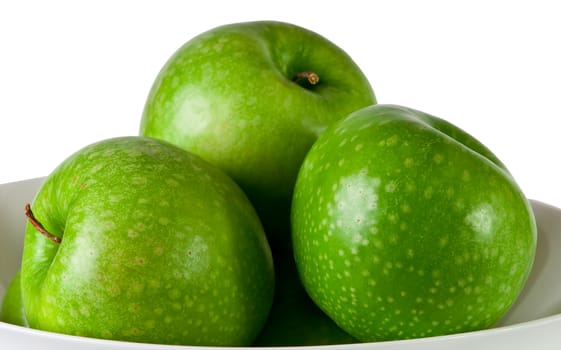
[(311, 77), (38, 226)]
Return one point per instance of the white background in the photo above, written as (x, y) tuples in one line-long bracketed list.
[(75, 72)]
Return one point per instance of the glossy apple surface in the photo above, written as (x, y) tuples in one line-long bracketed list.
[(157, 246), (238, 96), (405, 226)]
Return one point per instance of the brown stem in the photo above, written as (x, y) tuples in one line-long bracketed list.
[(311, 77), (38, 226)]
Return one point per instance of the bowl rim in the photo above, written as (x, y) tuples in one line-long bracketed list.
[(540, 322)]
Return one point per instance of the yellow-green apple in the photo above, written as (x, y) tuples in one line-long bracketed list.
[(135, 239)]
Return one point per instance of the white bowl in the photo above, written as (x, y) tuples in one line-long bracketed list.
[(533, 322)]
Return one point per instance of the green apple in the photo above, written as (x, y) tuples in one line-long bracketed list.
[(12, 304), (135, 239), (251, 98), (294, 319), (405, 226)]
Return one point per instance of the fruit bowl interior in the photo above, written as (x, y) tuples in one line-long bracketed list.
[(534, 320)]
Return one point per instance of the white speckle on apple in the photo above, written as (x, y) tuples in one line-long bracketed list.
[(164, 221), (466, 176), (410, 187), (172, 182), (115, 198), (406, 208), (109, 225), (154, 284), (132, 233), (392, 140), (134, 307), (450, 192), (390, 186), (175, 81), (428, 192), (358, 147), (251, 100), (410, 253), (138, 180), (84, 310)]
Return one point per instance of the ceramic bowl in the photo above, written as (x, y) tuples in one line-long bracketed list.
[(533, 322)]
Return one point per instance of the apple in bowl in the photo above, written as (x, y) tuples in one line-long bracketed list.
[(405, 226), (135, 239)]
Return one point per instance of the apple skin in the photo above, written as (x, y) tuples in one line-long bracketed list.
[(228, 95), (405, 226), (12, 304), (158, 246), (294, 319)]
